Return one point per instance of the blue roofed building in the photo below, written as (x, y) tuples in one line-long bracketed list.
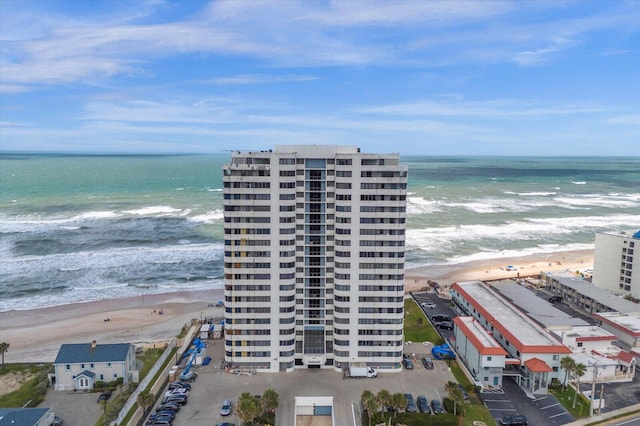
[(78, 366), (26, 416)]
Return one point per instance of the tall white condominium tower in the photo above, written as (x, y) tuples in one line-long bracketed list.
[(613, 263), (314, 258)]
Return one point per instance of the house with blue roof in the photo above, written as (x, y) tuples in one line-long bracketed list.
[(26, 417), (78, 366)]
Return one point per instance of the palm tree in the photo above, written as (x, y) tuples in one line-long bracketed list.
[(248, 407), (370, 404), (579, 371), (568, 365), (455, 393), (399, 402), (384, 397), (4, 347), (270, 400), (145, 400)]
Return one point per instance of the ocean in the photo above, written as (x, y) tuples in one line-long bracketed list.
[(77, 228)]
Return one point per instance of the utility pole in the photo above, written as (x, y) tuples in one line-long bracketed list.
[(593, 389), (600, 400)]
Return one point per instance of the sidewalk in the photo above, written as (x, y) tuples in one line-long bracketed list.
[(602, 420)]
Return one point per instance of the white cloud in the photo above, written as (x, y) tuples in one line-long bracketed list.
[(625, 119), (503, 108), (261, 79)]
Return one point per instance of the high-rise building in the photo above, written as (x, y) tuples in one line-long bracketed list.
[(314, 258), (613, 263)]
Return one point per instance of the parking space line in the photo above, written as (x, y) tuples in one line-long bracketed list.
[(497, 400), (559, 414), (549, 406)]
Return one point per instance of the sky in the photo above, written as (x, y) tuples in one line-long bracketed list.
[(548, 78)]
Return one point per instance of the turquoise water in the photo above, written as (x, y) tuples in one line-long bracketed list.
[(79, 228)]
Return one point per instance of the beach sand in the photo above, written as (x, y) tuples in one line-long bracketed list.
[(36, 335)]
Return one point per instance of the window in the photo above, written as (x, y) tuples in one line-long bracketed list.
[(92, 365), (108, 365), (579, 344), (68, 367), (488, 358)]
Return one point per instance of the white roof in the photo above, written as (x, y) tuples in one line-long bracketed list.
[(525, 330), (629, 321)]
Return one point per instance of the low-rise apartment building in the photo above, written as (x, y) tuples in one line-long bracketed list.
[(533, 354)]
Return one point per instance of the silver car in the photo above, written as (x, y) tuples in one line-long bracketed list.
[(225, 410)]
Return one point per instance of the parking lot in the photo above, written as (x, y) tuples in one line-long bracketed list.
[(214, 385)]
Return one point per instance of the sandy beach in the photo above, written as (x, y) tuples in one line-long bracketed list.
[(36, 335)]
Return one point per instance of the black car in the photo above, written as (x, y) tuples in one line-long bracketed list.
[(436, 407), (411, 405), (428, 363), (104, 396), (423, 404), (178, 398), (555, 299), (440, 318), (408, 364), (514, 420), (445, 325)]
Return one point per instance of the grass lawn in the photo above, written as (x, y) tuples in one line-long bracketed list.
[(417, 327), (476, 412), (566, 399)]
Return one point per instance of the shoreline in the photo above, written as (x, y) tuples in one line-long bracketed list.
[(36, 335)]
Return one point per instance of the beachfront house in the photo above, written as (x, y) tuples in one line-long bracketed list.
[(79, 366), (26, 416)]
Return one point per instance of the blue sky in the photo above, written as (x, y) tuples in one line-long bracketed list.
[(415, 77)]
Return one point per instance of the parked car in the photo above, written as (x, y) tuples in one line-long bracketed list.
[(411, 405), (445, 325), (104, 396), (57, 421), (514, 420), (429, 305), (173, 406), (225, 410), (162, 416), (177, 391), (226, 424), (159, 422), (436, 407), (179, 384), (423, 404), (408, 364), (555, 299), (169, 413), (427, 362), (179, 399), (440, 317)]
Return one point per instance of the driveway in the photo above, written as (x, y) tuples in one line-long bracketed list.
[(75, 408), (215, 385), (542, 411)]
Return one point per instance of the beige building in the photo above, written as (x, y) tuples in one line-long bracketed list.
[(613, 263)]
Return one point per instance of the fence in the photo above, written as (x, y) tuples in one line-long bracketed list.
[(133, 399)]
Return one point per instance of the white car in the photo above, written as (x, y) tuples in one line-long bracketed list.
[(179, 391), (429, 305)]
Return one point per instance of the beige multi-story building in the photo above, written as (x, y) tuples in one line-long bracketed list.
[(613, 263), (314, 258)]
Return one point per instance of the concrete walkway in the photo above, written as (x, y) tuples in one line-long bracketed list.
[(602, 420)]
